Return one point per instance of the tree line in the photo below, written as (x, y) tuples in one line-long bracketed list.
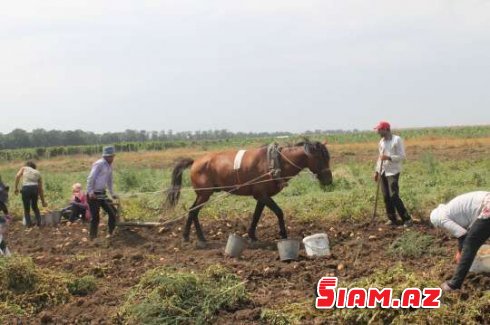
[(37, 138)]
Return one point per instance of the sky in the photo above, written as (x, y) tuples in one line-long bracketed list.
[(254, 65)]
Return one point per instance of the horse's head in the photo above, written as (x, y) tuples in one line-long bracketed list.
[(319, 161)]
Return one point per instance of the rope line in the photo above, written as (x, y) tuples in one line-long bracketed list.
[(219, 197), (206, 188), (233, 188)]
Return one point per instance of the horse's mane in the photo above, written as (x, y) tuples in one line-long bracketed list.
[(309, 146), (314, 146)]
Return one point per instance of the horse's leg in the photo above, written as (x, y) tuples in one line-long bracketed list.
[(255, 220), (199, 232), (201, 199), (269, 202), (187, 228)]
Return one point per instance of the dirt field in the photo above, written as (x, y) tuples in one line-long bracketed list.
[(120, 261)]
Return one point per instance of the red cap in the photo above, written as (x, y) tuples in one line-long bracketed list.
[(383, 125)]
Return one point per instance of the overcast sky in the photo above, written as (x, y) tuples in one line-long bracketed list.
[(252, 65)]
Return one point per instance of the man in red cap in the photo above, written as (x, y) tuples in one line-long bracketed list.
[(388, 168)]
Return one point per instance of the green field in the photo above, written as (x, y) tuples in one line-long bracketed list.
[(426, 181), (440, 166)]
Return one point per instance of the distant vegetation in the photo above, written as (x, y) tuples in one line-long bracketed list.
[(38, 144)]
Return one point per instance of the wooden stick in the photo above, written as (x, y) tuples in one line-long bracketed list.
[(147, 224), (378, 185)]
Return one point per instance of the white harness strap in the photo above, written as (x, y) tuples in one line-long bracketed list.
[(238, 159)]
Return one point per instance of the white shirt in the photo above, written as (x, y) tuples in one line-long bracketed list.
[(458, 215), (30, 176), (100, 177), (395, 149)]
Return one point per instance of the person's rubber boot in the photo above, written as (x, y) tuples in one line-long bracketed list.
[(447, 288), (111, 231), (392, 221), (92, 233), (38, 221), (407, 220), (408, 223), (27, 221)]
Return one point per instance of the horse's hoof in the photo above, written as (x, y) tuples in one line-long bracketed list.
[(202, 244), (186, 239)]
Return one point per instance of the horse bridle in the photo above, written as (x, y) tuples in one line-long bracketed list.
[(326, 169)]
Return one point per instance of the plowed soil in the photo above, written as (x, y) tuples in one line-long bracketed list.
[(119, 262)]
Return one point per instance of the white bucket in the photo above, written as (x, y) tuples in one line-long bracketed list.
[(481, 264), (317, 245)]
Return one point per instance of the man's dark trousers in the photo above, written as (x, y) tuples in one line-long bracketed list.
[(101, 201), (393, 202), (475, 238)]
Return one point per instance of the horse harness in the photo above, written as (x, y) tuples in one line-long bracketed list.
[(273, 162)]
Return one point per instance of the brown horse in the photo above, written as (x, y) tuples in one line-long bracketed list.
[(215, 172)]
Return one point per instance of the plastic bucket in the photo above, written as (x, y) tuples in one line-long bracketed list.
[(52, 218), (235, 245), (481, 264), (317, 245), (288, 249)]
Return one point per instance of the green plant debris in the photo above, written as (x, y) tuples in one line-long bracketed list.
[(412, 244), (25, 289), (169, 296), (82, 286)]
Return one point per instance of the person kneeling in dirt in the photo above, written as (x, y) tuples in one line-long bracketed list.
[(79, 204), (466, 217), (99, 180), (4, 250)]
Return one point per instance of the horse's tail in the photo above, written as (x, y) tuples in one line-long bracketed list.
[(173, 193)]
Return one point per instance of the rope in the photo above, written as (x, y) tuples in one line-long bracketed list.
[(225, 194), (233, 188), (207, 188), (289, 160), (214, 199), (236, 187)]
